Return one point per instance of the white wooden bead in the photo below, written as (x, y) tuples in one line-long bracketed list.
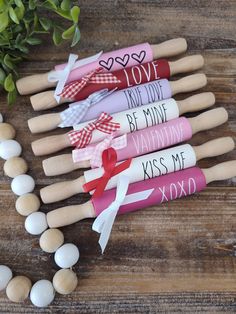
[(18, 288), (65, 281), (36, 223), (10, 148), (22, 184), (7, 132), (15, 166), (1, 118), (5, 276), (67, 255), (51, 240), (42, 293), (27, 204)]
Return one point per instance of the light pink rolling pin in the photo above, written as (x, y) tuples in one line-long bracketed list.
[(160, 112), (110, 61), (142, 168), (166, 188), (122, 79), (104, 101), (141, 142)]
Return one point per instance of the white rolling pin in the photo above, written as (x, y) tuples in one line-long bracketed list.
[(142, 168), (130, 121)]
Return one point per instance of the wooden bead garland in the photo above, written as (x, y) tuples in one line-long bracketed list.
[(18, 288)]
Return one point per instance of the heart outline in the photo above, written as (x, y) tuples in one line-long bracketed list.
[(139, 57), (122, 61), (107, 64)]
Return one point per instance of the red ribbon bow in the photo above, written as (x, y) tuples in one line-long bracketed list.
[(94, 77), (109, 159), (82, 138)]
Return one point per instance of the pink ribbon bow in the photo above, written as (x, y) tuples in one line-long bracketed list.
[(94, 152), (83, 137), (93, 77)]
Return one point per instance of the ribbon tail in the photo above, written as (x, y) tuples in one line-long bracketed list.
[(103, 225), (87, 60)]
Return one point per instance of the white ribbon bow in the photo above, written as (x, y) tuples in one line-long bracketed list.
[(94, 152), (61, 76), (76, 111), (104, 222)]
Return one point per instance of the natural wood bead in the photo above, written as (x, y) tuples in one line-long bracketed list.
[(27, 204), (65, 281), (7, 132), (18, 288), (51, 240), (15, 166)]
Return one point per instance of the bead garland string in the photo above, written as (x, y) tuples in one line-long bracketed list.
[(66, 255)]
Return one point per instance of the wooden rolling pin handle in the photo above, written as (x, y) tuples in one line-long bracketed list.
[(208, 120), (186, 64), (70, 214), (43, 123), (50, 144), (62, 164), (61, 190), (30, 84), (196, 102), (169, 48), (188, 83), (223, 171), (46, 100), (214, 147)]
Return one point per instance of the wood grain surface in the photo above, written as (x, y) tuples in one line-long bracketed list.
[(170, 258)]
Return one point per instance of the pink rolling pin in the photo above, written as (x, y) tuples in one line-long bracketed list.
[(121, 79), (168, 109), (110, 61), (166, 188), (141, 142), (142, 168)]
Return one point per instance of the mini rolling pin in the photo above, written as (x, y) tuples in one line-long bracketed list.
[(142, 167), (110, 61), (121, 79), (168, 109), (144, 141), (166, 188)]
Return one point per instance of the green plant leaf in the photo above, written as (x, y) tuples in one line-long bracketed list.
[(20, 10), (8, 62), (11, 97), (32, 4), (3, 6), (33, 41), (13, 15), (45, 23), (65, 14), (75, 11), (68, 33), (2, 76), (65, 5), (57, 39), (4, 20), (50, 4), (76, 37), (9, 84)]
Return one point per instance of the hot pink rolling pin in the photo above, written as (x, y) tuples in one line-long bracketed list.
[(143, 117), (134, 76), (138, 143), (142, 168), (110, 61), (166, 188)]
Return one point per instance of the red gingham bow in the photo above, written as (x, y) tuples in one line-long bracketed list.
[(83, 137), (109, 160), (94, 77)]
